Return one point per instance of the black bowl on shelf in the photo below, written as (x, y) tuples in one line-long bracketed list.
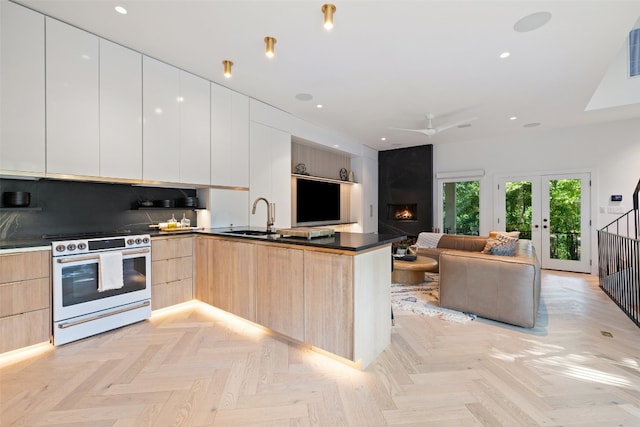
[(167, 203), (16, 199)]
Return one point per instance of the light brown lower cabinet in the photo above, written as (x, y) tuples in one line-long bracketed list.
[(335, 301), (226, 275), (280, 294), (25, 299), (328, 302), (171, 270)]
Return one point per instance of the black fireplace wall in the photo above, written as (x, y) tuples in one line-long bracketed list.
[(405, 176)]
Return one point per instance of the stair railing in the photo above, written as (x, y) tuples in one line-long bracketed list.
[(619, 260)]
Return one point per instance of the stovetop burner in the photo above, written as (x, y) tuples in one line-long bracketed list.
[(86, 235)]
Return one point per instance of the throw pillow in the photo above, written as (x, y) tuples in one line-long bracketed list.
[(506, 246), (428, 240)]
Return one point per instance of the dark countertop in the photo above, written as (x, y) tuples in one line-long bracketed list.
[(340, 241), (24, 243)]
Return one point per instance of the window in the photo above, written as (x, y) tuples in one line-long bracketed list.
[(461, 207)]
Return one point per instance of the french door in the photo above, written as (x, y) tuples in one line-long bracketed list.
[(553, 211)]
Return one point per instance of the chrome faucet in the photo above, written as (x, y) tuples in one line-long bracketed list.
[(271, 213)]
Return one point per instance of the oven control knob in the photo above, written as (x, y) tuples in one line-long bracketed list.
[(129, 242), (60, 248), (82, 246), (145, 240), (71, 247), (138, 241)]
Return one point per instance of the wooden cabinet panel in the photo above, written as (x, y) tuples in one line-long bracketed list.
[(171, 247), (328, 302), (171, 293), (171, 271), (25, 299), (24, 266), (280, 291), (226, 276), (25, 329), (20, 297)]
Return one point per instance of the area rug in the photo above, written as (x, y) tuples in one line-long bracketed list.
[(423, 299)]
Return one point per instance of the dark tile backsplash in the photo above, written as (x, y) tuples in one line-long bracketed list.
[(67, 207)]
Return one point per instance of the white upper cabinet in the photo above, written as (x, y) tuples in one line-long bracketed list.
[(22, 122), (195, 127), (176, 111), (120, 112), (72, 77), (270, 174), (161, 121), (229, 137)]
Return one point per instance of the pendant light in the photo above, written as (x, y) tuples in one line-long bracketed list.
[(271, 46), (227, 68), (328, 9)]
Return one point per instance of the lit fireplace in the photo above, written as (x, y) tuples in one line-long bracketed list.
[(403, 212)]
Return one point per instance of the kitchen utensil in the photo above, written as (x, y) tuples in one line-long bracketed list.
[(187, 202), (164, 203), (16, 199)]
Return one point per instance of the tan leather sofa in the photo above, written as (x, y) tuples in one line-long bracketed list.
[(502, 288)]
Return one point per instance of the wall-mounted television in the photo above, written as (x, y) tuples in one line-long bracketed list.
[(317, 202)]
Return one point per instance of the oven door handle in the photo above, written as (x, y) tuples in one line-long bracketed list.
[(102, 316), (92, 257)]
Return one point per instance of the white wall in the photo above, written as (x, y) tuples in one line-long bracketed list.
[(611, 152)]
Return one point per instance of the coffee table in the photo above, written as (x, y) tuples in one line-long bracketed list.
[(412, 272)]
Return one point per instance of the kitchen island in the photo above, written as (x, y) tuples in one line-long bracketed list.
[(332, 293)]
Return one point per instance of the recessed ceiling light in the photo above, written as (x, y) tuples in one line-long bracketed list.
[(121, 10), (319, 106), (304, 97), (513, 118), (531, 125), (504, 55), (532, 22), (383, 139)]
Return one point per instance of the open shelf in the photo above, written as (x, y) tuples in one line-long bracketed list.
[(318, 178), (27, 209)]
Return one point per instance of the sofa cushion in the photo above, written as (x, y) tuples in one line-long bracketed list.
[(462, 243)]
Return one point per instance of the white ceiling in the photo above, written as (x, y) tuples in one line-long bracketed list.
[(386, 63)]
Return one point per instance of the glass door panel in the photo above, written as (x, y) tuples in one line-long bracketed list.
[(461, 207), (553, 212)]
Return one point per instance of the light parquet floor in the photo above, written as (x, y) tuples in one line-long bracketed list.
[(196, 367)]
